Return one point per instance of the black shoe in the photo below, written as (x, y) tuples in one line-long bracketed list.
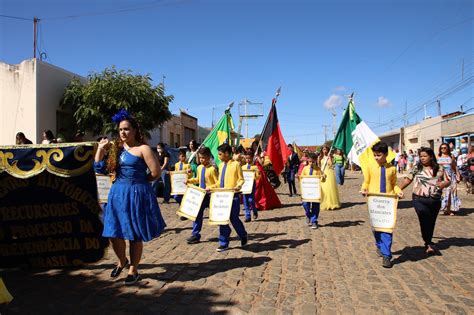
[(222, 248), (387, 263), (291, 195), (314, 226), (379, 253), (183, 218), (117, 270), (193, 240), (131, 279), (247, 220), (243, 241), (255, 216)]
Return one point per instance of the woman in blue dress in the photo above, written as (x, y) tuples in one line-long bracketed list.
[(132, 212)]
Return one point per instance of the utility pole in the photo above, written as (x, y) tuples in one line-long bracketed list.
[(439, 107), (405, 116), (424, 106), (246, 115), (325, 132), (35, 35), (334, 115), (163, 81)]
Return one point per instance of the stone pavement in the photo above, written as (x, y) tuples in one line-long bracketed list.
[(287, 268)]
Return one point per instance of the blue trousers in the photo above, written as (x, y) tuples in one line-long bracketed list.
[(178, 198), (383, 241), (339, 168), (197, 225), (224, 230), (312, 211), (249, 204)]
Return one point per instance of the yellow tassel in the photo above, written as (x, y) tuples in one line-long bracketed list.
[(5, 296)]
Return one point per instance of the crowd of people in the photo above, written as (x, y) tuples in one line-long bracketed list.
[(132, 212)]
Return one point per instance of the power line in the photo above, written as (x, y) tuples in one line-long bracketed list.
[(111, 12), (15, 17)]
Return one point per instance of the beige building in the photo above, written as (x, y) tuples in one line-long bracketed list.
[(29, 99), (176, 132), (431, 132)]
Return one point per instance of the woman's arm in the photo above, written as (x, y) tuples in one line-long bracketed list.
[(165, 163), (151, 161), (405, 183), (104, 144)]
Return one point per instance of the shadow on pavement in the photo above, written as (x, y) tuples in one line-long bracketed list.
[(274, 245), (416, 253), (344, 223), (252, 237), (345, 205), (289, 205), (65, 293), (282, 219), (195, 271), (177, 230)]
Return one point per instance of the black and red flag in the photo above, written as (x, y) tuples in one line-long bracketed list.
[(272, 140)]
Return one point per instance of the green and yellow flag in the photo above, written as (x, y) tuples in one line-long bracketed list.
[(356, 139), (219, 135)]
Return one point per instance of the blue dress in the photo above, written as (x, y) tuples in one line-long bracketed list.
[(132, 211)]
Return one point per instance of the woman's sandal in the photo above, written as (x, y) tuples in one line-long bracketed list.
[(117, 270)]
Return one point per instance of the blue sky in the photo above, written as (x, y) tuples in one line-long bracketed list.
[(213, 52)]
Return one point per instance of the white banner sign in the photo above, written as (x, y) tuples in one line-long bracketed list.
[(178, 182), (382, 211), (191, 203), (104, 182), (249, 178), (310, 188), (220, 206)]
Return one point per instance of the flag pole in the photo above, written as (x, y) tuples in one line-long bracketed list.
[(274, 101), (351, 99), (229, 107)]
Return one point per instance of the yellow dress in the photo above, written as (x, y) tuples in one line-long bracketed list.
[(329, 191)]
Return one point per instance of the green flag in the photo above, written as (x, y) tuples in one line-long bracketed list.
[(350, 120), (356, 139), (219, 134)]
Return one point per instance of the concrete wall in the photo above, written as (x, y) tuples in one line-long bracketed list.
[(459, 124), (17, 101), (430, 132), (50, 85), (30, 96)]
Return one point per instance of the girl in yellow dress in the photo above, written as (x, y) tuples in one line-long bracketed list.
[(329, 191)]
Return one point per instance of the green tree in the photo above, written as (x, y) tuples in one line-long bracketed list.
[(95, 102)]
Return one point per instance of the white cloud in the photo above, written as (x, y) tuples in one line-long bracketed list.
[(339, 88), (383, 102), (333, 101)]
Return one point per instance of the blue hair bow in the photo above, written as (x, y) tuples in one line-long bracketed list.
[(121, 115)]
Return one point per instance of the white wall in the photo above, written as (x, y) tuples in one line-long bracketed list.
[(51, 82), (29, 97), (17, 101)]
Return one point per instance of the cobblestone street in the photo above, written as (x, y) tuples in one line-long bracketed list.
[(287, 268)]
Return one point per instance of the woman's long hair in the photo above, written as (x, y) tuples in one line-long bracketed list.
[(434, 163), (321, 154), (448, 151), (117, 145)]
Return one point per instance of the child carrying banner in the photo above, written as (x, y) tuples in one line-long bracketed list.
[(381, 177), (206, 177), (230, 177), (312, 208), (182, 166), (249, 199)]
